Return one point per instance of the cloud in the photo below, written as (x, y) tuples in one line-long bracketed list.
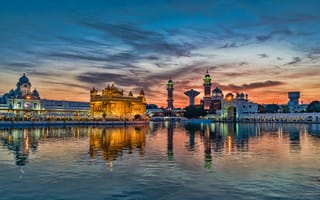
[(229, 45), (251, 86), (143, 41), (243, 63), (98, 78), (98, 57), (285, 32), (263, 38), (22, 64), (263, 55), (294, 61)]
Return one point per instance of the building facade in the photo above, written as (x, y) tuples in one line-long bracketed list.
[(25, 103), (293, 103), (234, 108), (225, 107), (111, 103)]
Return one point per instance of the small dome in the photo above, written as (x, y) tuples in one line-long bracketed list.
[(170, 83), (229, 96), (217, 90), (23, 79), (35, 93), (207, 78)]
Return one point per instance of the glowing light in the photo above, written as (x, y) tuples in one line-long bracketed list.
[(229, 144)]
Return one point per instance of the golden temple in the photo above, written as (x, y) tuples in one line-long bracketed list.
[(111, 103)]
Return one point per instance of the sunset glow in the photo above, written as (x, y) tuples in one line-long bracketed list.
[(263, 48)]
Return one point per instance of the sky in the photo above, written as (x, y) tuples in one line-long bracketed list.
[(65, 47)]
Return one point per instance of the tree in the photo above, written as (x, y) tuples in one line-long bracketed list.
[(194, 111), (151, 106), (314, 106), (284, 109)]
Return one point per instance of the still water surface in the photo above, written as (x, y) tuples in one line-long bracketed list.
[(161, 161)]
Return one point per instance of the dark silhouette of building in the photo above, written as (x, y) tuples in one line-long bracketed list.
[(191, 94)]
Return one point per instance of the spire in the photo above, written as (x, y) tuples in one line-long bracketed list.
[(130, 94), (141, 92)]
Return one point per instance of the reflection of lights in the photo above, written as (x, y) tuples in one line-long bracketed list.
[(110, 165), (27, 143), (229, 144)]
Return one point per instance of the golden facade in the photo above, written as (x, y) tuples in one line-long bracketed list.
[(111, 103)]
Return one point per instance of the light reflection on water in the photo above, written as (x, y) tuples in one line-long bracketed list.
[(161, 161)]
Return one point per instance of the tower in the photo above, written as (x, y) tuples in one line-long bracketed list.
[(293, 100), (207, 91), (191, 94), (170, 95)]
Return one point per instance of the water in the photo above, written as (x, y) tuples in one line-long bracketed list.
[(161, 161)]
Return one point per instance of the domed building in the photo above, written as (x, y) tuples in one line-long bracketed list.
[(25, 102), (22, 98), (226, 107)]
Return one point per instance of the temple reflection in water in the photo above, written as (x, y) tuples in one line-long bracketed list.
[(203, 141), (110, 143)]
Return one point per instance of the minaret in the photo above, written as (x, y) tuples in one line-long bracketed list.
[(207, 91), (191, 94), (170, 94)]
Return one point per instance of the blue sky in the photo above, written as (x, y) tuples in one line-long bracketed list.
[(263, 48)]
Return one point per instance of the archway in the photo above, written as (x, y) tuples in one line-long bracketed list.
[(230, 112)]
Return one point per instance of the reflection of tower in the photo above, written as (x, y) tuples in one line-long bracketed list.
[(191, 139), (207, 151), (170, 94), (207, 91), (294, 134), (170, 141), (191, 94)]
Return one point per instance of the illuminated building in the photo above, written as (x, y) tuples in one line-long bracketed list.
[(113, 104), (233, 108), (22, 98), (226, 107), (170, 95), (25, 103)]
